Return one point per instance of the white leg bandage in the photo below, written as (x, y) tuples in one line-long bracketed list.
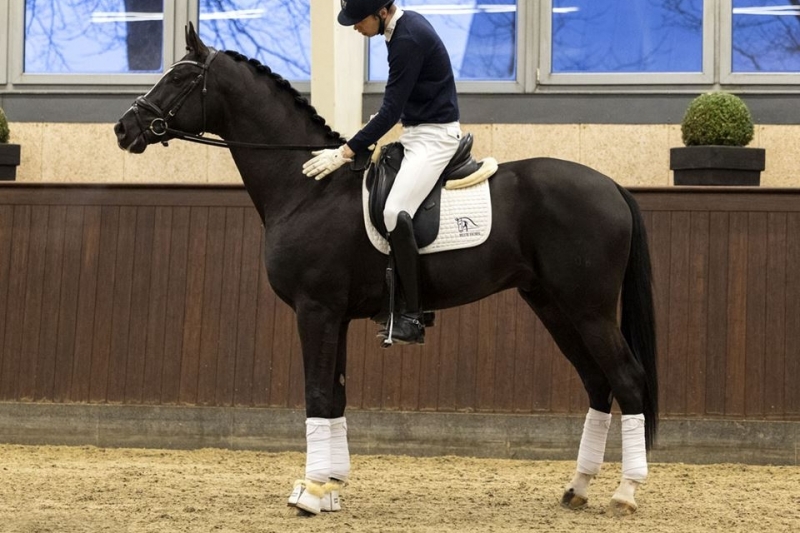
[(593, 442), (340, 454), (318, 449), (634, 452)]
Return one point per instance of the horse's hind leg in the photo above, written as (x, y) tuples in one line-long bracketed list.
[(626, 375), (598, 419)]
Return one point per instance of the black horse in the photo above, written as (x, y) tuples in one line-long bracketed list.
[(568, 238)]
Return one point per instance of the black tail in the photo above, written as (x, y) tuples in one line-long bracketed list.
[(638, 315)]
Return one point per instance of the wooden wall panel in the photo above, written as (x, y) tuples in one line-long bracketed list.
[(87, 301), (775, 316), (158, 296), (792, 357), (48, 332), (717, 317), (121, 313), (34, 296), (175, 305), (104, 303), (697, 327), (15, 299), (193, 308)]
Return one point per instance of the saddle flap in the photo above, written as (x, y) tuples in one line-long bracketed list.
[(381, 176), (380, 179)]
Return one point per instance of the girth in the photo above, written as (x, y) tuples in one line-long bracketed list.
[(381, 176)]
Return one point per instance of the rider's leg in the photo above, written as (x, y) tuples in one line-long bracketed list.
[(406, 325), (428, 150)]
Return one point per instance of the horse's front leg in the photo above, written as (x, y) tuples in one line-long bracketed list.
[(323, 336)]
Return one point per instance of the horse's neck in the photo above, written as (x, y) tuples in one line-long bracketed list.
[(273, 178)]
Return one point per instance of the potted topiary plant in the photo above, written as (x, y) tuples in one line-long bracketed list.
[(716, 129), (9, 153)]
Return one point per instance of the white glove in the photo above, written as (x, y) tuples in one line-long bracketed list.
[(324, 162)]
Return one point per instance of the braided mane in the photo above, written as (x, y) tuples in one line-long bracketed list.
[(300, 100)]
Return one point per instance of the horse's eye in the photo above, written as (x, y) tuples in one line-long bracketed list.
[(176, 78)]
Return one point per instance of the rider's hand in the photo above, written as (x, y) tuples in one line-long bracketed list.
[(324, 162)]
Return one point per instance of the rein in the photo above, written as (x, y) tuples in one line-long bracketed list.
[(160, 127), (198, 138)]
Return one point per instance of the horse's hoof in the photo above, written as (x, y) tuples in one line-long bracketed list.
[(622, 507), (572, 501), (330, 502), (302, 513)]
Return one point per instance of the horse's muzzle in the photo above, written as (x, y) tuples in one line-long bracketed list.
[(130, 139)]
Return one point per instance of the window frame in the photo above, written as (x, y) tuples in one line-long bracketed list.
[(5, 7), (546, 77), (174, 12), (726, 74)]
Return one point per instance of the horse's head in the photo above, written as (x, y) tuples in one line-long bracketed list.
[(176, 102)]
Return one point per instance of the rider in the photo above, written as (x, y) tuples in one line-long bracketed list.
[(420, 93)]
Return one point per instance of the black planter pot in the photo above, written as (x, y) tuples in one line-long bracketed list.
[(717, 165), (9, 161)]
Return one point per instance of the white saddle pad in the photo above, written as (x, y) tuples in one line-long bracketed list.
[(465, 220)]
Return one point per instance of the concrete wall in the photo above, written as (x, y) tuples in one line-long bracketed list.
[(633, 154), (506, 436)]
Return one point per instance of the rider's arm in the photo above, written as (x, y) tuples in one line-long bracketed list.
[(405, 64)]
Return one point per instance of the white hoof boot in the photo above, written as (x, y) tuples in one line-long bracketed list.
[(307, 496), (330, 501)]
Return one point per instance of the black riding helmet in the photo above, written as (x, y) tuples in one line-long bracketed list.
[(354, 11)]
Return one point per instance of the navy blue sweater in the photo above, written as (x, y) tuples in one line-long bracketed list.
[(420, 89)]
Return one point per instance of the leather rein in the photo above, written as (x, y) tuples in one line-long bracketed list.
[(160, 127)]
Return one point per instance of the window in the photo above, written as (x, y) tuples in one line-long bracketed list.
[(130, 42), (88, 41), (276, 33), (496, 46), (636, 41), (481, 37), (613, 36), (759, 42), (765, 36), (105, 37)]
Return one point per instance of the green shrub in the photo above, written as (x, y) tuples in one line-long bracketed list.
[(717, 118), (3, 127)]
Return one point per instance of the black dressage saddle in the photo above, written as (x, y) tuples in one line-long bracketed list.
[(381, 176)]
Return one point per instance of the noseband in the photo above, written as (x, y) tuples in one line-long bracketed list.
[(160, 127)]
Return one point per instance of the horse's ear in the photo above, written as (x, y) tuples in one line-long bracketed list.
[(193, 42)]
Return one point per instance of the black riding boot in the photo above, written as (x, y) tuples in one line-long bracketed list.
[(407, 326)]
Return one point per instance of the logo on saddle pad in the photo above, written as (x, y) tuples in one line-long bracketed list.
[(467, 227)]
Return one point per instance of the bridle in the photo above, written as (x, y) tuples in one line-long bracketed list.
[(160, 127)]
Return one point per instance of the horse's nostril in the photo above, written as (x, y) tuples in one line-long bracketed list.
[(119, 129)]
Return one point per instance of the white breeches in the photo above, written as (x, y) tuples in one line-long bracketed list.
[(327, 454), (428, 150)]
